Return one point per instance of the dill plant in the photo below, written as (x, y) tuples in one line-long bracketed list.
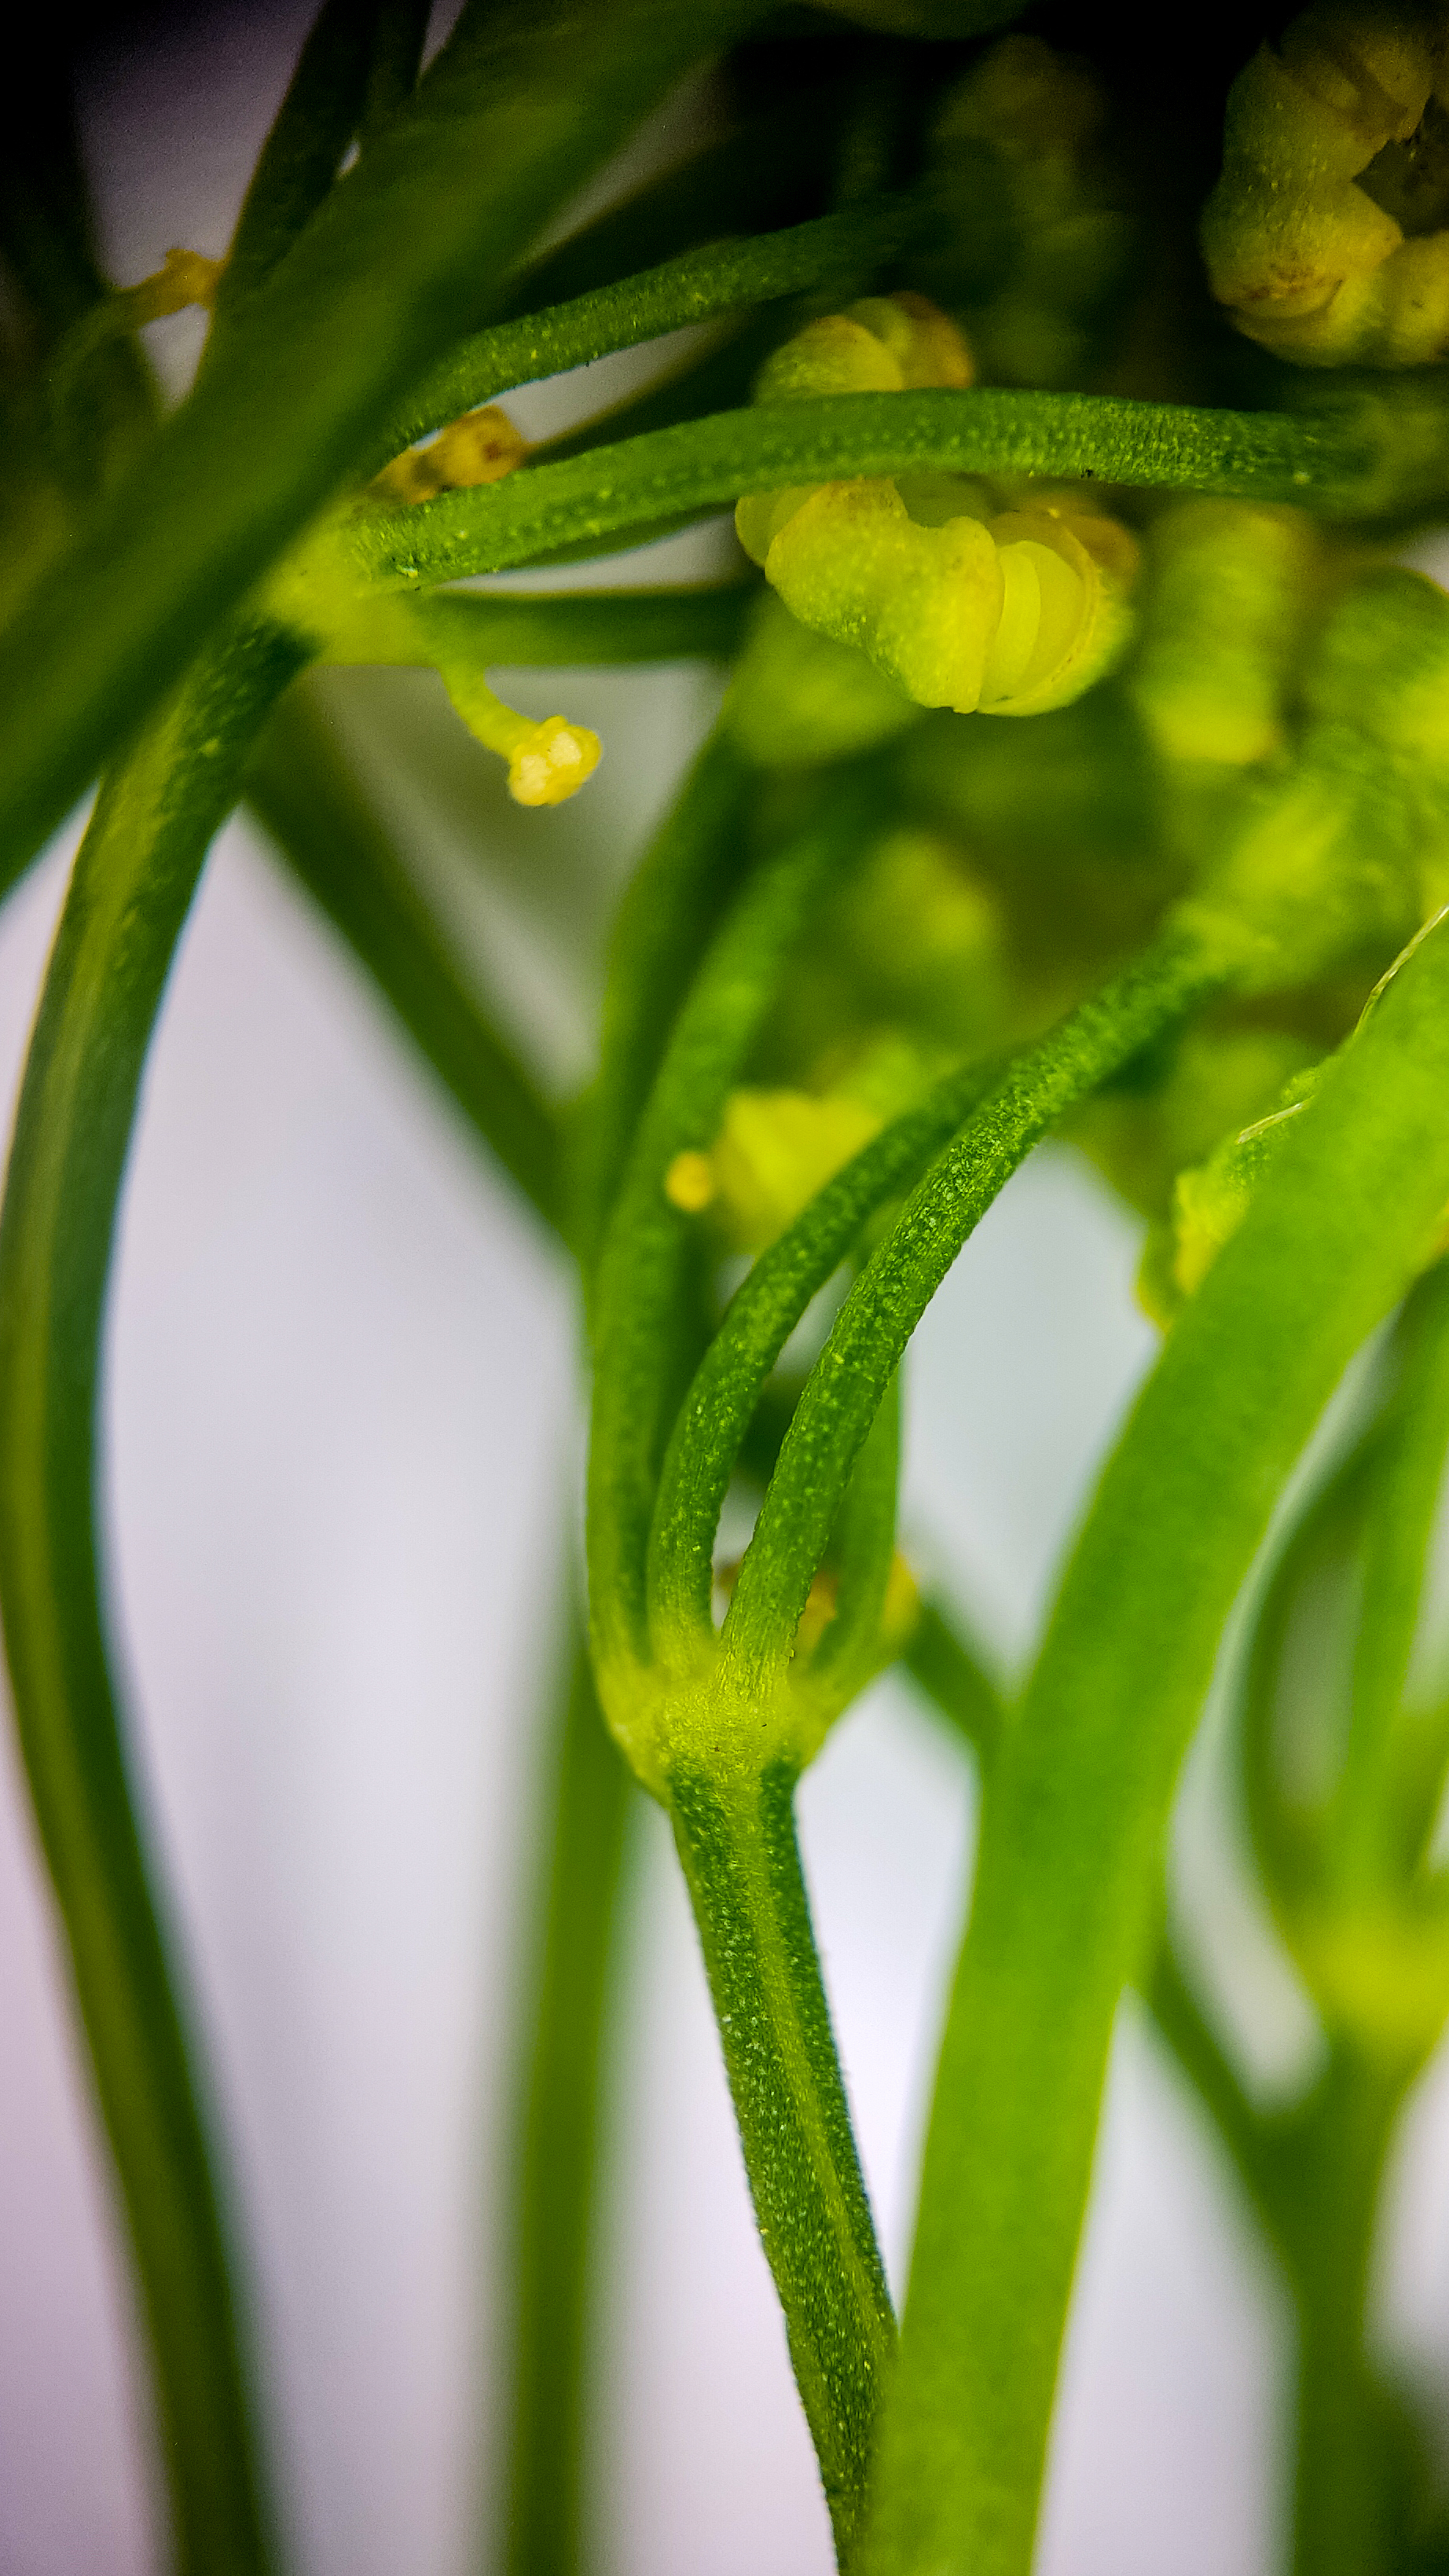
[(1084, 767)]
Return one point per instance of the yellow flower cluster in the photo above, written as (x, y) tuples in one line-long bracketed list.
[(1010, 614), (1310, 263)]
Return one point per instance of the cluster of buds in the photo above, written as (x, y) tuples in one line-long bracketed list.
[(1011, 613), (1309, 261)]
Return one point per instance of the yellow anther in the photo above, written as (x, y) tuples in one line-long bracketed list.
[(551, 764), (689, 1183), (481, 447), (880, 346), (775, 1149)]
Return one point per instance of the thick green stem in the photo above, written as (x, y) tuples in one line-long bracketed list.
[(742, 1864), (567, 2003), (1069, 1868), (132, 886), (305, 795)]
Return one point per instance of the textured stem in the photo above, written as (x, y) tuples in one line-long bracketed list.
[(132, 886), (742, 1864), (1071, 1852), (706, 464)]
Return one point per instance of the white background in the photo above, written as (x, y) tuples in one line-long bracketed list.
[(342, 1446)]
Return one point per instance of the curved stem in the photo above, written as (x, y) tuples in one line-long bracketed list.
[(1071, 1850), (133, 883), (725, 278), (870, 1333), (742, 1864), (764, 1311), (650, 1245), (673, 905), (706, 464)]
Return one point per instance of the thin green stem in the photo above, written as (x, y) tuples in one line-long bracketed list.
[(862, 1547), (650, 1244), (955, 1674), (308, 800), (671, 909), (765, 1309), (568, 630), (566, 2007), (132, 886), (742, 1864), (727, 277), (704, 465), (1071, 1851), (869, 1336), (1344, 2505), (1393, 1768)]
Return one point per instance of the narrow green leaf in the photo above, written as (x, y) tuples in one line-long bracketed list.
[(553, 630), (307, 798), (727, 277), (704, 465), (1071, 1852), (414, 244), (298, 162), (129, 896)]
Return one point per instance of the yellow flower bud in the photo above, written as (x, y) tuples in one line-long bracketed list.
[(481, 447), (775, 1149), (1311, 266), (1230, 590), (1014, 618)]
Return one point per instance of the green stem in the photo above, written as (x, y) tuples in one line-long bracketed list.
[(568, 1998), (671, 908), (1347, 2437), (862, 1548), (1392, 1775), (869, 1336), (742, 1864), (308, 800), (955, 1675), (728, 277), (132, 886), (706, 464), (1071, 1850)]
